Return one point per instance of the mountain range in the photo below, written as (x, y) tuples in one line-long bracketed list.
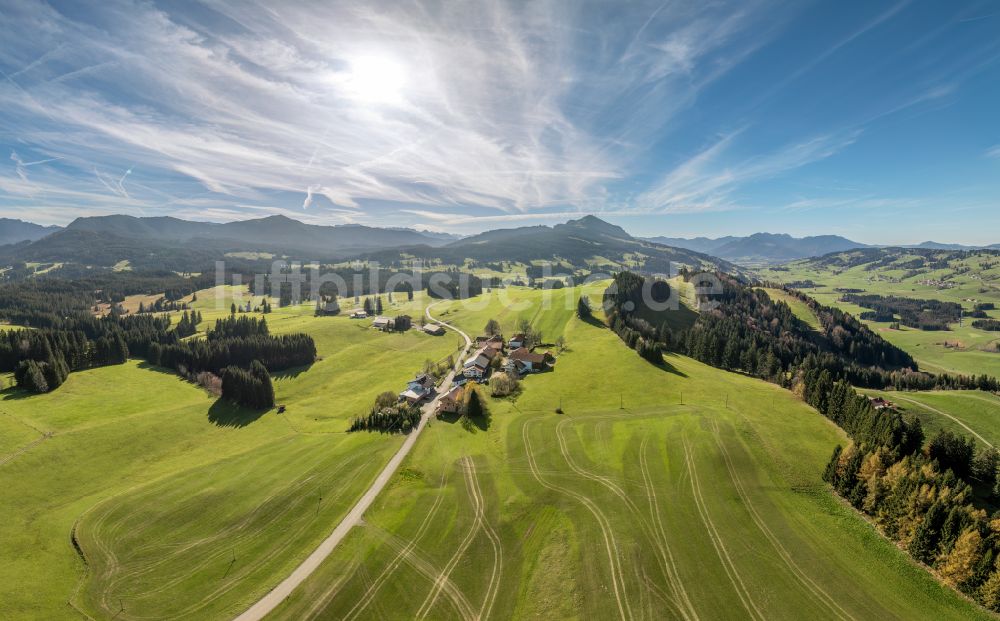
[(588, 241), (173, 243), (763, 247), (15, 231)]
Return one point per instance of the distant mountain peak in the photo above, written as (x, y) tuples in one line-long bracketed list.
[(594, 224)]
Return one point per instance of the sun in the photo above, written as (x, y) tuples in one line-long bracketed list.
[(376, 79)]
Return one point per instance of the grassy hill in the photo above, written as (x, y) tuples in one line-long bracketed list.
[(963, 277), (700, 497), (164, 487)]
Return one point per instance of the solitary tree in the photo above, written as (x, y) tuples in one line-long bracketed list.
[(473, 406), (583, 310), (492, 327)]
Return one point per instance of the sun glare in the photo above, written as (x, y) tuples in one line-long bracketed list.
[(377, 79)]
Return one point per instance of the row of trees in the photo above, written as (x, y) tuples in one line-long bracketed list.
[(276, 353), (991, 325), (238, 327)]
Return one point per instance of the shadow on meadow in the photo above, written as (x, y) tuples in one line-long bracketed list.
[(472, 424), (227, 414)]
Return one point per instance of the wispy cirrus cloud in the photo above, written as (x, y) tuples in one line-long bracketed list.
[(503, 107), (710, 179)]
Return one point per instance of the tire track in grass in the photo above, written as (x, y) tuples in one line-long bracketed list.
[(494, 585), (610, 545), (369, 594), (663, 553), (815, 589), (720, 547), (445, 574), (654, 507), (433, 573)]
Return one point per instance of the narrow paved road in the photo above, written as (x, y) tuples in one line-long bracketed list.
[(270, 601)]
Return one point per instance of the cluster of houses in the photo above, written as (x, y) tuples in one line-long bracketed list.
[(518, 359), (513, 356)]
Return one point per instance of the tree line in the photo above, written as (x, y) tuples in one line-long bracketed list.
[(921, 498), (920, 314)]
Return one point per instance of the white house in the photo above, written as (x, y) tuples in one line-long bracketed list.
[(476, 366), (382, 323), (358, 314), (516, 342)]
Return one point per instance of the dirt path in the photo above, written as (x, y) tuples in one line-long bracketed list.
[(277, 595), (946, 415)]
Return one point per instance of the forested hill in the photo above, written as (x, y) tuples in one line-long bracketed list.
[(910, 261), (577, 242), (750, 332)]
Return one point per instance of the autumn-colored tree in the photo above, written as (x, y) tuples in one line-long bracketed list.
[(957, 566)]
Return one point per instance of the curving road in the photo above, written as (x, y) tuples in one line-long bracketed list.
[(277, 595)]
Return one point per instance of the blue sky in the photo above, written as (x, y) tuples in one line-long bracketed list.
[(875, 120)]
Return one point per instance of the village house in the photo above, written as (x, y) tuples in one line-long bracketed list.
[(516, 341), (384, 324), (523, 361), (358, 314), (881, 404), (434, 329), (477, 365), (451, 401), (419, 388), (494, 342)]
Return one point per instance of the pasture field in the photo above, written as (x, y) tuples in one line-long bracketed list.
[(799, 308), (961, 350), (185, 508), (970, 413), (677, 492)]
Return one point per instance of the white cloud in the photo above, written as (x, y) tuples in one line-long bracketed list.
[(495, 106)]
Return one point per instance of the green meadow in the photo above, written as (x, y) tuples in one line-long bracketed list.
[(182, 507), (676, 492)]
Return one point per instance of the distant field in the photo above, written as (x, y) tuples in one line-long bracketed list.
[(165, 487), (963, 349), (672, 506)]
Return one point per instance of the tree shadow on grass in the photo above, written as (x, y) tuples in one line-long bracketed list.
[(293, 372), (470, 424), (669, 368), (227, 414), (15, 394)]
